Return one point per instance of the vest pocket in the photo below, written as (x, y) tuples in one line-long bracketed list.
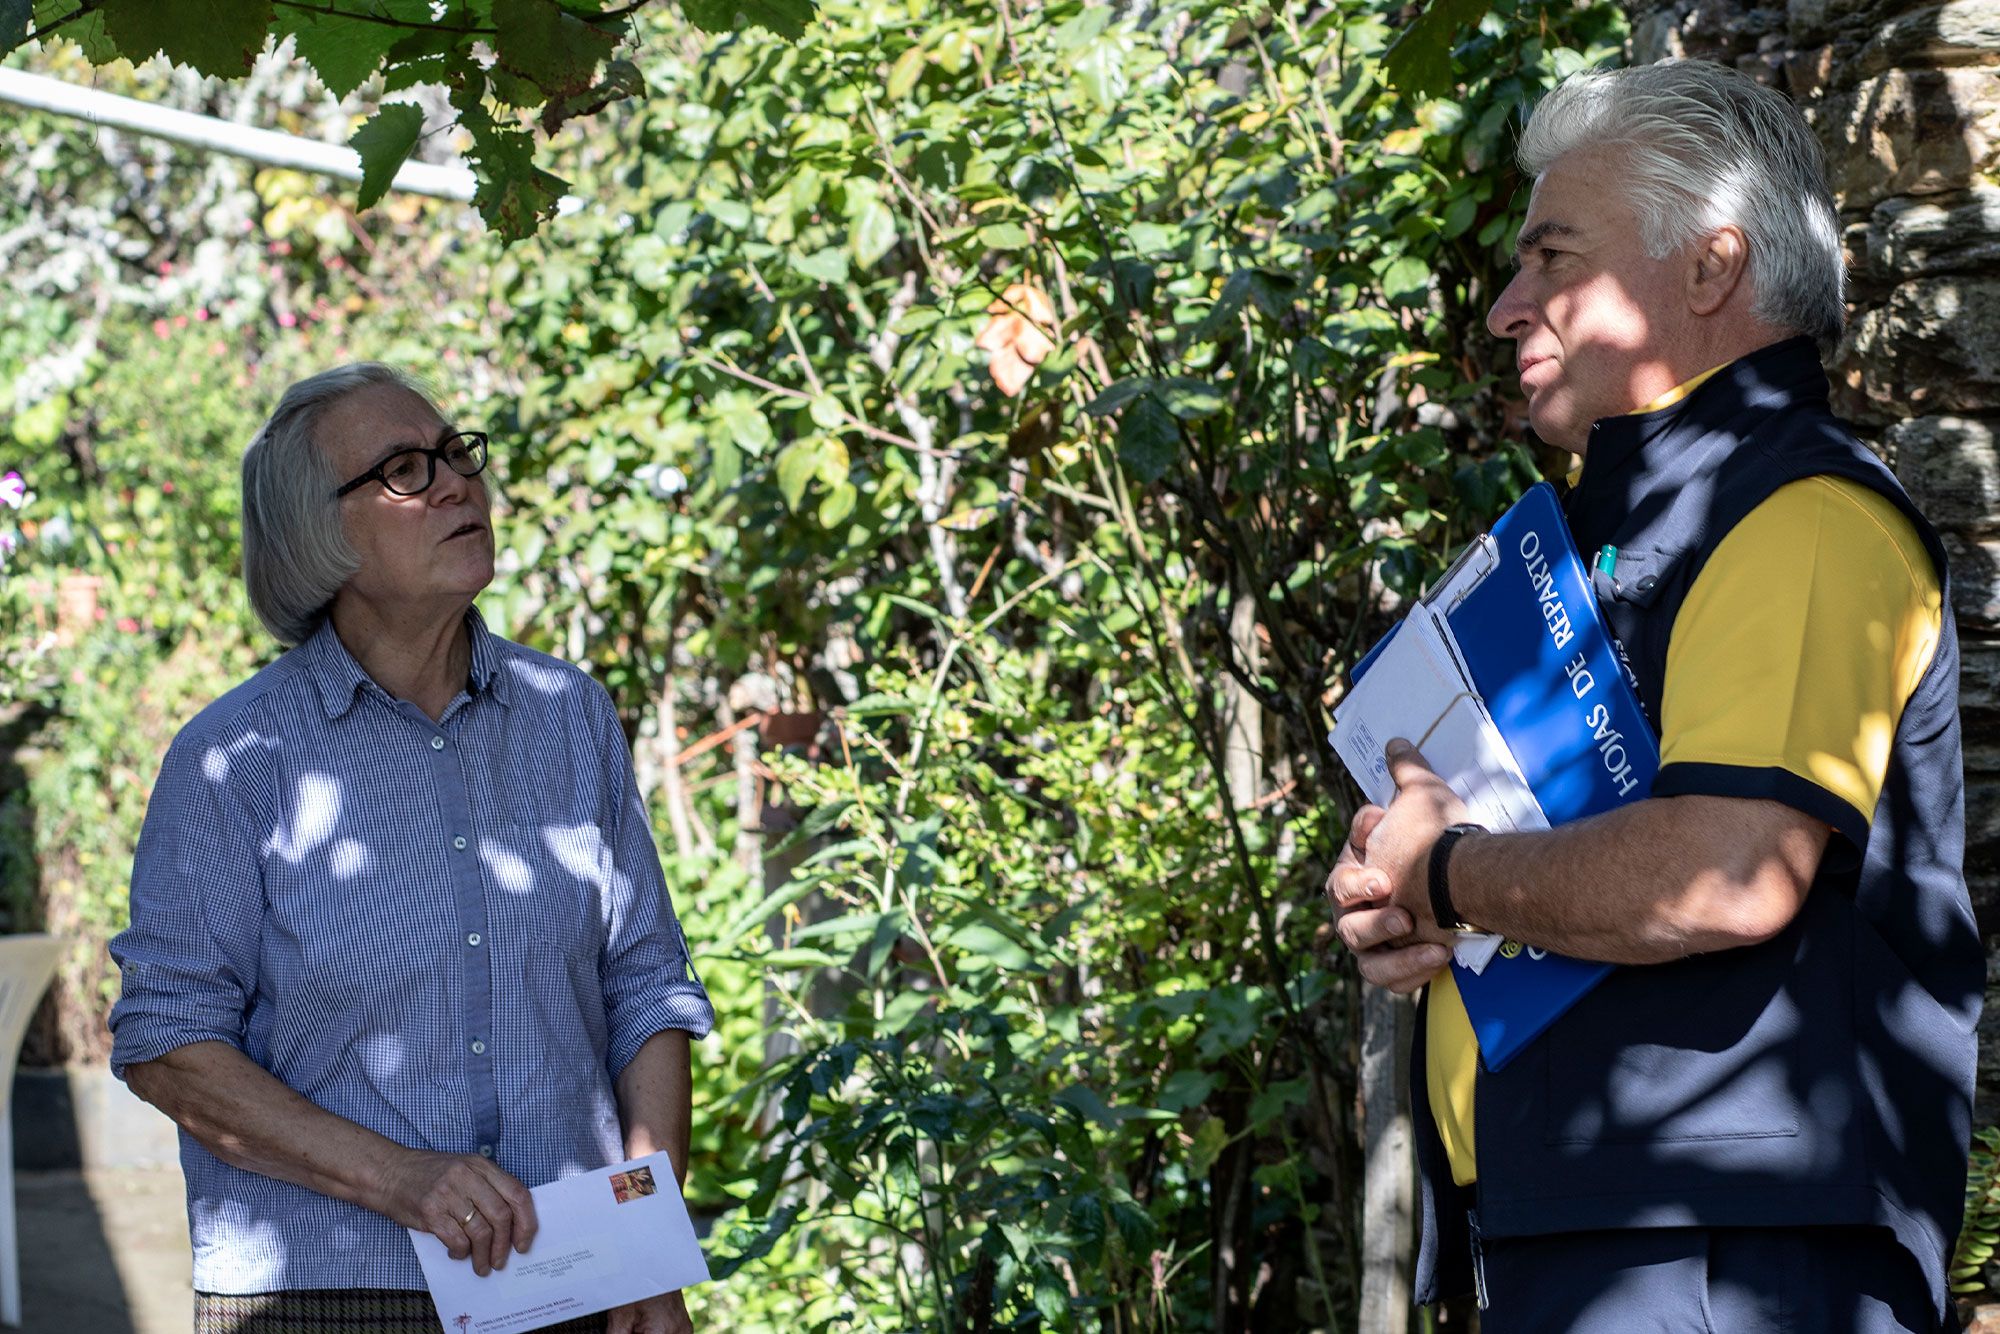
[(1679, 1052), (1639, 580), (1627, 602)]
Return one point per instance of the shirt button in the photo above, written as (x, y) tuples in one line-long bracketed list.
[(437, 743), (459, 843), (486, 1151), (472, 939), (478, 1047)]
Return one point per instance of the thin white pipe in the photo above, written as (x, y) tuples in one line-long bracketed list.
[(269, 147)]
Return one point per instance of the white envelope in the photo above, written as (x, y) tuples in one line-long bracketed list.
[(605, 1238)]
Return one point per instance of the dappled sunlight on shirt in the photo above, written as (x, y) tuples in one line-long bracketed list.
[(454, 933), (315, 812)]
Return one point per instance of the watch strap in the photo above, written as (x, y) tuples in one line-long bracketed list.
[(1440, 879)]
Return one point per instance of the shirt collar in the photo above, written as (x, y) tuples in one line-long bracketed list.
[(1678, 392), (486, 659), (1778, 373), (339, 677), (1666, 400), (1628, 449)]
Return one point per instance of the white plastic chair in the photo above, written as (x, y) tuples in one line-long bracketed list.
[(26, 964)]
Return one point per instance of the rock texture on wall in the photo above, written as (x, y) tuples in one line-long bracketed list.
[(1906, 100)]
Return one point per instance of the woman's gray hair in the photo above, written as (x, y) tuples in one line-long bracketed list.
[(295, 557), (1709, 146)]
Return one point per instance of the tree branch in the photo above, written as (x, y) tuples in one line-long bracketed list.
[(87, 8), (383, 21), (799, 395), (632, 8)]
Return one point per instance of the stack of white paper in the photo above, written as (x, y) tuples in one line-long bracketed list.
[(1417, 689)]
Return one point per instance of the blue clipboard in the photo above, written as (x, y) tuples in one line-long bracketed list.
[(1557, 687)]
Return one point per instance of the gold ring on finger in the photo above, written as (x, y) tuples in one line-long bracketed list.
[(470, 1214)]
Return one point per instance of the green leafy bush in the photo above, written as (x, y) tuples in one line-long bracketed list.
[(1049, 1039)]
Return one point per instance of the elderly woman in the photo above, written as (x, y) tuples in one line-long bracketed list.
[(400, 943)]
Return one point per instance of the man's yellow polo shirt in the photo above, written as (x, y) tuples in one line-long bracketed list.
[(1797, 648)]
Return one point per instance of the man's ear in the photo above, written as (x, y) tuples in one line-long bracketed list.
[(1721, 260)]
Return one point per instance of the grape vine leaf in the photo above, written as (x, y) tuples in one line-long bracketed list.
[(68, 19), (14, 16), (216, 37), (343, 51), (555, 51), (384, 142), (787, 18), (514, 195)]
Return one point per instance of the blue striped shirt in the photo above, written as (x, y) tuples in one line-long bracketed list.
[(455, 934)]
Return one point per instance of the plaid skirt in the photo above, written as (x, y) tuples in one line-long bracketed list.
[(336, 1311)]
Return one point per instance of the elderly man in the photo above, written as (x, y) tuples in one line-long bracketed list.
[(1759, 1122)]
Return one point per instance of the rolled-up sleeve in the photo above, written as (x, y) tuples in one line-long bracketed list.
[(649, 981), (189, 958)]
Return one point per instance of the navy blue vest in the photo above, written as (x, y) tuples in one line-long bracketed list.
[(1824, 1076)]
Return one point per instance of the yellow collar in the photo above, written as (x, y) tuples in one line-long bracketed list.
[(1678, 392)]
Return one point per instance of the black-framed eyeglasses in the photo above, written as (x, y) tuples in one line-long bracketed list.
[(410, 472)]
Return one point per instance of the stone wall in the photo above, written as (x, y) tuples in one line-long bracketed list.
[(1906, 100)]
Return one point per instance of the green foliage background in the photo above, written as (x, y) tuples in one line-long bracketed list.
[(1007, 885)]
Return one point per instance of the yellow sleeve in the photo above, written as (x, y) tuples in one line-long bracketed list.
[(1796, 650)]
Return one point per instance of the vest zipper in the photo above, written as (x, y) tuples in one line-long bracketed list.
[(1478, 1258)]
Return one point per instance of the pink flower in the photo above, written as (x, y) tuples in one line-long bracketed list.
[(126, 625), (286, 319), (160, 328), (202, 313)]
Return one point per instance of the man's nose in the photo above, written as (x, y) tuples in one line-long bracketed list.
[(1511, 311)]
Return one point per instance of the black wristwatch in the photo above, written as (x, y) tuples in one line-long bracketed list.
[(1441, 909)]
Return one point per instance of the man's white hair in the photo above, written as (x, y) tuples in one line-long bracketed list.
[(1707, 146)]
